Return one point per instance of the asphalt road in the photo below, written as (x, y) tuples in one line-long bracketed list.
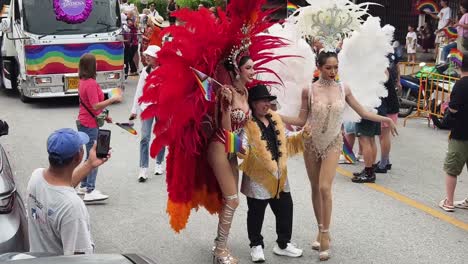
[(371, 223)]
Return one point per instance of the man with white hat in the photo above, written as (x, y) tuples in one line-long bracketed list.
[(146, 124), (58, 221)]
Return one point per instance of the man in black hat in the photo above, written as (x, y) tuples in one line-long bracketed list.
[(264, 181)]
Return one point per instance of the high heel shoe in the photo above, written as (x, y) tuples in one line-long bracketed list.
[(316, 243), (324, 255), (224, 257)]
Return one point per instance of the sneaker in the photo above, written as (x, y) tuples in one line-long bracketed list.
[(461, 204), (444, 206), (290, 251), (142, 177), (364, 177), (343, 160), (81, 190), (159, 169), (95, 196), (257, 254)]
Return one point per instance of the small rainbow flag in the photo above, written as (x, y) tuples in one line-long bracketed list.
[(206, 84), (348, 152), (451, 32), (456, 56), (428, 5), (115, 92), (127, 127), (233, 142), (291, 7)]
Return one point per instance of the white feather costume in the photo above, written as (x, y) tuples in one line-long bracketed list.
[(295, 72), (362, 60)]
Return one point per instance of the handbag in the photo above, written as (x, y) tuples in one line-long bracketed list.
[(101, 118)]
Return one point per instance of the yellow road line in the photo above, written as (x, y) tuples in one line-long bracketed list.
[(410, 202)]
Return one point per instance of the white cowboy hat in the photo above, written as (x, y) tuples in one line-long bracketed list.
[(157, 20), (152, 51)]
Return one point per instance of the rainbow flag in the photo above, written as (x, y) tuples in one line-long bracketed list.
[(428, 5), (348, 152), (127, 127), (456, 56), (205, 83), (291, 7), (115, 92), (233, 142), (451, 32)]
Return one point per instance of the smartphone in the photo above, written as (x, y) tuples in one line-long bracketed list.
[(103, 143)]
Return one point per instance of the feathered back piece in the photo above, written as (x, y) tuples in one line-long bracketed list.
[(185, 118)]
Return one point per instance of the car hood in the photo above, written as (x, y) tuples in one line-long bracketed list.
[(7, 184), (37, 258)]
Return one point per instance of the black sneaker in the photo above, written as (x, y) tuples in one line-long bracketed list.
[(355, 174), (364, 177), (388, 167)]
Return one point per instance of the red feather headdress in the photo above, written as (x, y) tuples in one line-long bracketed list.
[(201, 42)]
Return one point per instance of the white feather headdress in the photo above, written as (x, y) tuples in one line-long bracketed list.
[(329, 20)]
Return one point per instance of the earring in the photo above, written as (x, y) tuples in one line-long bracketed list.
[(237, 77)]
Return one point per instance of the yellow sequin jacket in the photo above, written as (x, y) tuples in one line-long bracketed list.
[(264, 177)]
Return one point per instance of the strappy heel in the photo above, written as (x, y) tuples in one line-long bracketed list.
[(224, 258), (316, 244), (324, 255)]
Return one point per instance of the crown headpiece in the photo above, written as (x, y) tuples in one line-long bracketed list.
[(330, 20), (238, 51)]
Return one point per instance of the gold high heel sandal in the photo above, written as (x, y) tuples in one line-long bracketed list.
[(324, 255), (316, 244), (224, 258)]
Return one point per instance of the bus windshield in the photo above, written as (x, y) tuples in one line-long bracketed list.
[(39, 18)]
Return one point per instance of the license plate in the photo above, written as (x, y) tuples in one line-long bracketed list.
[(72, 83)]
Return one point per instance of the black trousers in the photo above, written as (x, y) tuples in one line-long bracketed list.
[(283, 210), (129, 53)]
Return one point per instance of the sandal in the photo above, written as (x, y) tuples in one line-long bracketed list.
[(324, 255), (445, 207), (461, 204), (316, 244)]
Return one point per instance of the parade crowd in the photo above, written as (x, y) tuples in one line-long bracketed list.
[(245, 111)]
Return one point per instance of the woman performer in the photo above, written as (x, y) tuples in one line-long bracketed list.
[(322, 109)]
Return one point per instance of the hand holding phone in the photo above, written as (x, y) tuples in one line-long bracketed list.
[(103, 143)]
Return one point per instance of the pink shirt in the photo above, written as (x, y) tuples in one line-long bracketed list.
[(463, 21), (90, 94)]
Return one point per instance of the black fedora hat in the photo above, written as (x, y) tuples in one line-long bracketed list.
[(259, 92)]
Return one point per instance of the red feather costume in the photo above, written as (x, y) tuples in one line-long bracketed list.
[(202, 42)]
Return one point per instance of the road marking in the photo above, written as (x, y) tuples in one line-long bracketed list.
[(410, 202)]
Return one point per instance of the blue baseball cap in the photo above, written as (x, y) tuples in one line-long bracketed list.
[(65, 143)]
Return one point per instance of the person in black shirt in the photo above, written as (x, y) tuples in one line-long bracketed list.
[(390, 107), (457, 155)]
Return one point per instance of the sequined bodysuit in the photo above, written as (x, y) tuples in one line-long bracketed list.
[(325, 121), (238, 120)]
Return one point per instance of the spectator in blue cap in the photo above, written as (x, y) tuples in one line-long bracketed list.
[(58, 220)]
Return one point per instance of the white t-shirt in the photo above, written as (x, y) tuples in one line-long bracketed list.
[(58, 220), (444, 16)]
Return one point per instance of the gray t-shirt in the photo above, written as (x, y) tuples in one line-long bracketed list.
[(57, 218)]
